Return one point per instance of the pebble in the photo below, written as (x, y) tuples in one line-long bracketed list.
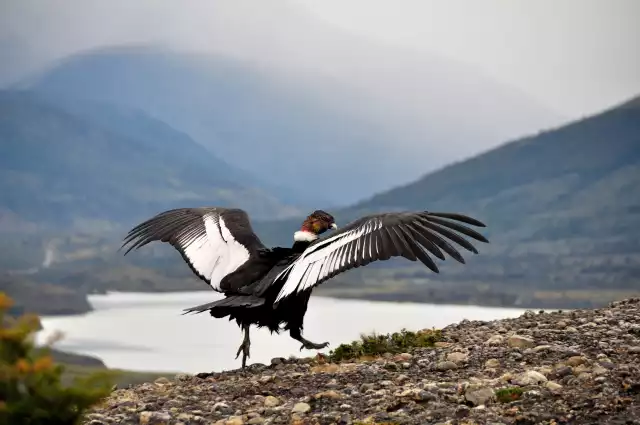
[(446, 365), (479, 396), (495, 340), (457, 357), (271, 401), (301, 408), (492, 363), (531, 377), (519, 341)]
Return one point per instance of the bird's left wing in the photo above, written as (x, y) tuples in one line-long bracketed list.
[(379, 237), (213, 241)]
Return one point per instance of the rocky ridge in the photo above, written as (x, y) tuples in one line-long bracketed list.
[(563, 367)]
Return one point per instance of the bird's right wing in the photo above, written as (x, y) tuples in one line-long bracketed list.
[(213, 241), (378, 237)]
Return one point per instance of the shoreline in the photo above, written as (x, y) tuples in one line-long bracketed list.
[(401, 297)]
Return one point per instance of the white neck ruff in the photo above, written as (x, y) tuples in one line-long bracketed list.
[(304, 236)]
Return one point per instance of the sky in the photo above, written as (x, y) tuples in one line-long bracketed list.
[(574, 56), (577, 56)]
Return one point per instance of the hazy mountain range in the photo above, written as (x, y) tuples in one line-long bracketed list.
[(292, 131), (88, 167)]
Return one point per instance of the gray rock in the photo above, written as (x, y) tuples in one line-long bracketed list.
[(531, 377), (457, 357), (154, 418), (495, 340), (479, 395), (446, 365), (271, 401), (492, 363), (520, 341), (301, 408)]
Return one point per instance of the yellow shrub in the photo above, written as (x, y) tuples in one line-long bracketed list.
[(31, 391)]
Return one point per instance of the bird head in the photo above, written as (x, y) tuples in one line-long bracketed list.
[(318, 222)]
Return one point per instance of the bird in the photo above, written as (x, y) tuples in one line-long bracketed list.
[(271, 286)]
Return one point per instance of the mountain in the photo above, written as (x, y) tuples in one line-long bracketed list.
[(322, 138), (90, 167), (562, 209)]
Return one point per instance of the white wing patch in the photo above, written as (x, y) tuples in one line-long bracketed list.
[(318, 261), (215, 253)]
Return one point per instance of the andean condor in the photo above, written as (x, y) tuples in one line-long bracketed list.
[(271, 286)]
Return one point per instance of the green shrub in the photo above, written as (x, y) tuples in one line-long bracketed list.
[(375, 345), (507, 395), (31, 392)]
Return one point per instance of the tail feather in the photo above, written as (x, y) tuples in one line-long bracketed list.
[(232, 301)]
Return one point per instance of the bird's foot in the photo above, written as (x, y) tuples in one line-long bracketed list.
[(244, 349), (312, 345)]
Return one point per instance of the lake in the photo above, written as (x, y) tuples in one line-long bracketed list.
[(147, 332)]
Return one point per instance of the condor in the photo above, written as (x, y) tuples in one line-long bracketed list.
[(271, 286)]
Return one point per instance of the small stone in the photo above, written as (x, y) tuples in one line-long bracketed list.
[(518, 341), (492, 363), (154, 418), (457, 357), (599, 370), (271, 401), (223, 408), (234, 420), (301, 408), (256, 420), (425, 396), (479, 396), (403, 357), (553, 386), (446, 365), (367, 387), (563, 371), (277, 361), (575, 361), (402, 378), (331, 394), (495, 340), (540, 348), (607, 365), (182, 377), (162, 381), (531, 377), (634, 350)]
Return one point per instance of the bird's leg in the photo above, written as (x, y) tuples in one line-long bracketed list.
[(295, 334), (244, 347)]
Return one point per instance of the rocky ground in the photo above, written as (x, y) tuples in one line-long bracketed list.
[(578, 367)]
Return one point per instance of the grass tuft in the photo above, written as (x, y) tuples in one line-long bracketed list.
[(375, 345), (507, 395)]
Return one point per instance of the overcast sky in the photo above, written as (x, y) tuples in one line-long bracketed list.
[(574, 56)]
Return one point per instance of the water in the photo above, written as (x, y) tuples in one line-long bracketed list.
[(141, 331)]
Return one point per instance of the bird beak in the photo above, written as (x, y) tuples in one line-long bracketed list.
[(334, 226)]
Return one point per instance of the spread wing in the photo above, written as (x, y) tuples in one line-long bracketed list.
[(411, 235), (213, 241)]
